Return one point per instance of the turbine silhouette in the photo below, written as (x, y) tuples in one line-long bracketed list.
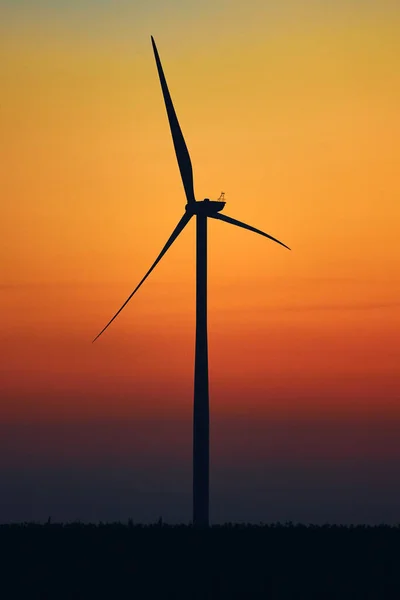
[(202, 210)]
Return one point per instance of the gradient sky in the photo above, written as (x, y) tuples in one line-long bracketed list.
[(292, 109)]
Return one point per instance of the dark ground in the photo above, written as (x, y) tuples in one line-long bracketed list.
[(78, 561)]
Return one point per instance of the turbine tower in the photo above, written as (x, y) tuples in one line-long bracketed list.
[(202, 210)]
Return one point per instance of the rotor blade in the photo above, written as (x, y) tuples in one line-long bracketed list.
[(178, 229), (181, 151), (221, 217)]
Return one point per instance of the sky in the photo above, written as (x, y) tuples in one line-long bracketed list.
[(291, 109)]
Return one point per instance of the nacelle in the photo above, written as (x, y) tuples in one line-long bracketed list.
[(205, 207)]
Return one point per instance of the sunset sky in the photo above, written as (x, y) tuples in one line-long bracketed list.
[(292, 109)]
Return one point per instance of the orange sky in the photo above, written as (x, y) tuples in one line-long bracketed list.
[(298, 123)]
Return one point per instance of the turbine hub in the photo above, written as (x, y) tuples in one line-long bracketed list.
[(205, 207)]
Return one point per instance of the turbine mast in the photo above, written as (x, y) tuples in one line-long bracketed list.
[(201, 399)]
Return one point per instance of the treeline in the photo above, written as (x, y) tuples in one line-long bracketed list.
[(274, 561)]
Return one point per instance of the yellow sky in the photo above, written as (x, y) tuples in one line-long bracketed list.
[(299, 127)]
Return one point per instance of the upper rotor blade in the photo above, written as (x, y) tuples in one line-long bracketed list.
[(182, 154), (222, 217), (182, 223)]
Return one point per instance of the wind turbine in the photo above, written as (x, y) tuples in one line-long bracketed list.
[(203, 210)]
